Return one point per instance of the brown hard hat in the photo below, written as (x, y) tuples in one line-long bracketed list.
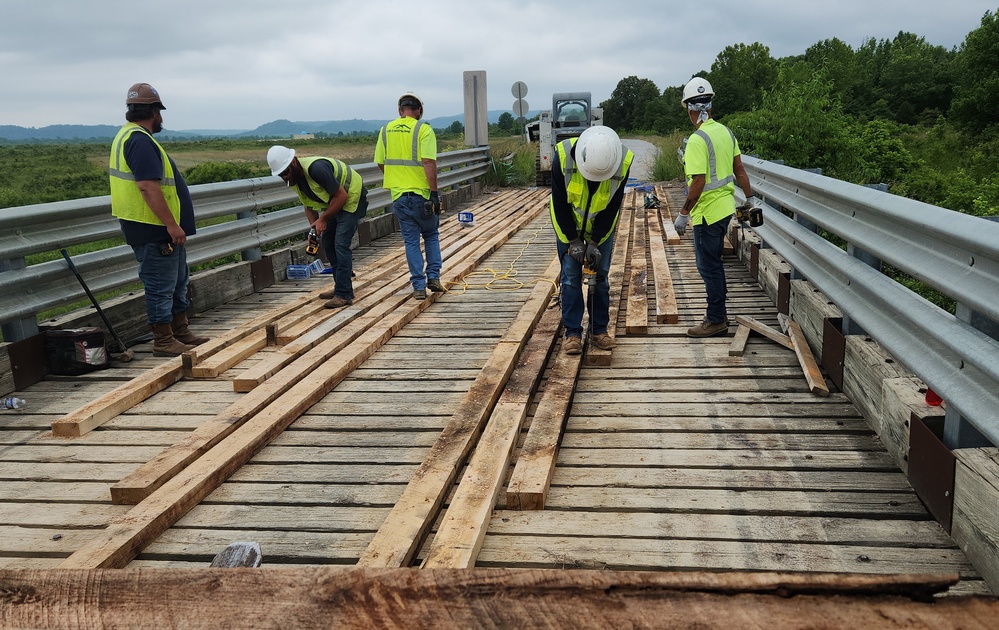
[(143, 94)]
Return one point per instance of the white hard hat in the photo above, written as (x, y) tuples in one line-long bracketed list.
[(279, 158), (598, 153), (410, 99), (696, 87)]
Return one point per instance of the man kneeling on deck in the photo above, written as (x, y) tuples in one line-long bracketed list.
[(585, 206), (335, 201)]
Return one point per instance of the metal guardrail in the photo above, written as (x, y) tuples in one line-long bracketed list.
[(954, 253), (30, 289)]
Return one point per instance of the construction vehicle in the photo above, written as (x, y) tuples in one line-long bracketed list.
[(571, 114)]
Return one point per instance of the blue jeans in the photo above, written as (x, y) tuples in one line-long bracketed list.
[(708, 244), (336, 241), (165, 280), (408, 209), (572, 291)]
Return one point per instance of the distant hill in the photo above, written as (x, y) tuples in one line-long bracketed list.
[(273, 129)]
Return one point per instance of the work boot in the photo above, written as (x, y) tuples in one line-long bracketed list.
[(434, 284), (419, 294), (708, 329), (164, 342), (572, 345), (337, 302), (603, 341), (326, 295), (182, 333)]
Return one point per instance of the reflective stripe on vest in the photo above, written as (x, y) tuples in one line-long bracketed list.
[(585, 207), (127, 201), (713, 182), (414, 161), (349, 179)]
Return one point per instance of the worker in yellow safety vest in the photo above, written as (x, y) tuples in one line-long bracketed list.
[(154, 208), (406, 152), (713, 165), (589, 174), (335, 201)]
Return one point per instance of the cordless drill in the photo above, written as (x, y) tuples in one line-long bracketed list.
[(753, 216), (312, 246)]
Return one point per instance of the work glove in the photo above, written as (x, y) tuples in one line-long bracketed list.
[(577, 251), (435, 201), (593, 256), (681, 223), (751, 202)]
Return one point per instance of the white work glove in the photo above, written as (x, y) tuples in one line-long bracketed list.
[(681, 223)]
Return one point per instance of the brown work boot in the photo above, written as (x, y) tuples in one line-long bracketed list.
[(708, 329), (419, 294), (572, 345), (434, 284), (182, 333), (603, 341), (164, 342), (325, 295), (337, 302)]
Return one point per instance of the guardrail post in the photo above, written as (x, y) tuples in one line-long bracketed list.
[(250, 255), (18, 329), (958, 432)]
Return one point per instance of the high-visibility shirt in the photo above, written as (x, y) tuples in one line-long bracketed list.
[(319, 200), (402, 146), (711, 151), (126, 199), (585, 208)]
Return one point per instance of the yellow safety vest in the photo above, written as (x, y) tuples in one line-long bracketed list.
[(711, 151), (398, 149), (126, 199), (578, 191), (348, 178)]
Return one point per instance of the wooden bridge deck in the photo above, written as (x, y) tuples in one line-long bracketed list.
[(676, 456)]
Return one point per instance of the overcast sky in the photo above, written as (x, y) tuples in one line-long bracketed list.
[(237, 64)]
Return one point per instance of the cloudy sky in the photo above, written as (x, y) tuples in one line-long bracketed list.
[(237, 64)]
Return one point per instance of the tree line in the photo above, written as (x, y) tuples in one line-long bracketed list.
[(921, 118)]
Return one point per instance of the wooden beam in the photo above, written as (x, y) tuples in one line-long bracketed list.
[(816, 382), (622, 236), (126, 396), (532, 475), (768, 332), (671, 235), (738, 347), (228, 357), (463, 528), (324, 324), (342, 597), (129, 533), (666, 308), (400, 535), (152, 475), (637, 317)]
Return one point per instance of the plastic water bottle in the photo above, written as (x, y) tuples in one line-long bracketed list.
[(13, 402)]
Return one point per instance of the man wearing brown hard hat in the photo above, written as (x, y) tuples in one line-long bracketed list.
[(154, 208)]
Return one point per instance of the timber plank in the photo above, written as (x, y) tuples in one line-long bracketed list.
[(378, 327), (396, 541), (532, 474), (736, 527), (615, 278), (816, 382), (637, 316), (463, 527), (666, 306), (766, 331), (665, 554)]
